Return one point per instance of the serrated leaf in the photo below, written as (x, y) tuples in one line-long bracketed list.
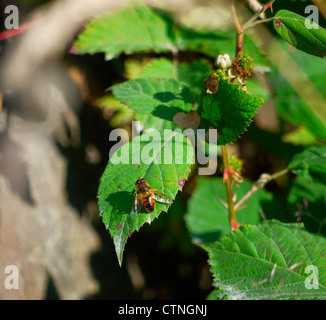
[(230, 110), (142, 29), (293, 29), (161, 97), (192, 74), (311, 164), (164, 162), (150, 122), (135, 29), (207, 217), (268, 261)]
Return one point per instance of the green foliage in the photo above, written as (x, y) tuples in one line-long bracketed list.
[(230, 110), (256, 261), (159, 97), (207, 218), (267, 261), (307, 203), (290, 106), (311, 164), (141, 29), (192, 74), (136, 29), (292, 28), (140, 159)]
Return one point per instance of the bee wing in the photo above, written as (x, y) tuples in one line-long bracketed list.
[(160, 197), (137, 205)]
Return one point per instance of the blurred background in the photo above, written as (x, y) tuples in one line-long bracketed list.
[(54, 146)]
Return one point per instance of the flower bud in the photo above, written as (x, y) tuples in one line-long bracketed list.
[(223, 61)]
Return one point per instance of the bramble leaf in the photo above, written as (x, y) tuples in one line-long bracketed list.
[(230, 110), (268, 261), (135, 29), (164, 162), (192, 74), (159, 97), (301, 32), (311, 164), (142, 29)]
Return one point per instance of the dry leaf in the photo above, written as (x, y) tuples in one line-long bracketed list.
[(211, 84)]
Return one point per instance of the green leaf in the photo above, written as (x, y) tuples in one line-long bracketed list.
[(290, 106), (192, 74), (268, 261), (207, 217), (164, 162), (292, 28), (230, 110), (150, 122), (311, 164), (300, 136), (135, 29), (215, 42), (121, 113), (142, 29), (161, 97), (307, 204)]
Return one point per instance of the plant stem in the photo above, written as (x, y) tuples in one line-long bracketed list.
[(261, 182), (251, 21), (239, 31), (229, 193)]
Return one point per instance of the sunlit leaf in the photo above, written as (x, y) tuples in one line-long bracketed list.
[(163, 158), (230, 110), (301, 32), (268, 261), (159, 97)]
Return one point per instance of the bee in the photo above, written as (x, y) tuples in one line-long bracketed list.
[(146, 196)]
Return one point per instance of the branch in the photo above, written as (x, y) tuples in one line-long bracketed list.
[(239, 31), (229, 193), (260, 184), (252, 20)]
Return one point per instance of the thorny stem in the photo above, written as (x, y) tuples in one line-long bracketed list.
[(251, 21), (263, 21), (239, 31), (261, 182), (227, 174), (229, 193)]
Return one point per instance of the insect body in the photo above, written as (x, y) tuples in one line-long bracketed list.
[(145, 197)]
